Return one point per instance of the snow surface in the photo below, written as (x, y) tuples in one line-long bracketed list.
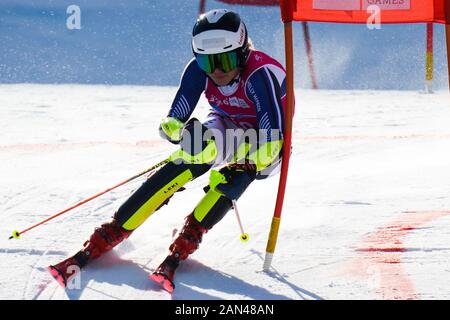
[(366, 212)]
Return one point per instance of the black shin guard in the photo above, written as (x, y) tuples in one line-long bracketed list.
[(156, 191), (219, 198), (220, 208)]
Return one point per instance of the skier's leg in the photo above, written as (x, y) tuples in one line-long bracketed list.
[(225, 185), (154, 193), (195, 157)]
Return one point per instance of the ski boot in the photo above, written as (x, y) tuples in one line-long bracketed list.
[(185, 244), (102, 240)]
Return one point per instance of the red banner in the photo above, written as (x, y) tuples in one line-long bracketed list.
[(253, 2), (367, 11)]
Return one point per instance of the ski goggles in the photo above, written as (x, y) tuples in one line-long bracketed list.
[(225, 61)]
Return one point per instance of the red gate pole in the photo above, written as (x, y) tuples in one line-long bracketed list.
[(308, 47), (447, 35), (286, 8), (429, 59), (201, 8)]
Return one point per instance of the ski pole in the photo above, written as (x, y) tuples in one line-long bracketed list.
[(16, 234), (245, 237)]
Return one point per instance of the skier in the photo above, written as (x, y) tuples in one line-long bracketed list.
[(242, 136)]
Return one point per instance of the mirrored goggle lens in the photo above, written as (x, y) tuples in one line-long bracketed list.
[(226, 61)]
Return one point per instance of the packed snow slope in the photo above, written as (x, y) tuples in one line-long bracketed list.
[(366, 212)]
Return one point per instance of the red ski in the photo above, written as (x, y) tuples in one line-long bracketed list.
[(164, 274), (67, 269), (163, 281)]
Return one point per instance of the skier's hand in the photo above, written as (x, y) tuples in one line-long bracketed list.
[(170, 129), (237, 178)]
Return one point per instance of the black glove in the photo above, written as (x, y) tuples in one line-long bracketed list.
[(192, 137), (238, 177)]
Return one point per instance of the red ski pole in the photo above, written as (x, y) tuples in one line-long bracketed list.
[(16, 234)]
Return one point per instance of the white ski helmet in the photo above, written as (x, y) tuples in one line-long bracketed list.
[(219, 31)]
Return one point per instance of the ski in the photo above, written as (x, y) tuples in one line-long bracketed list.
[(162, 280), (165, 273), (58, 276), (68, 268)]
